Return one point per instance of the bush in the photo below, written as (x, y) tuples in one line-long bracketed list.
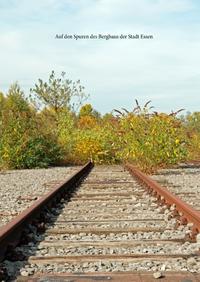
[(152, 141), (22, 145), (192, 128), (31, 138), (87, 147), (39, 152)]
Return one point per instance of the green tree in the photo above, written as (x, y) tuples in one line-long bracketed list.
[(22, 144), (2, 101), (193, 121), (2, 104), (85, 110), (59, 93), (88, 110)]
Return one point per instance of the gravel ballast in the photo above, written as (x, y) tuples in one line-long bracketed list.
[(183, 181), (20, 188), (118, 227)]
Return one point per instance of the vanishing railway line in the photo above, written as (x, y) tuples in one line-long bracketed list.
[(106, 228)]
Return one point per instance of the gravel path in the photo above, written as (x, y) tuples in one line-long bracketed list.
[(183, 181), (20, 188)]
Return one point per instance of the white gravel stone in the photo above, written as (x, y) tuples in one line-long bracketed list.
[(24, 273), (20, 188), (191, 261), (198, 238), (157, 275), (183, 181)]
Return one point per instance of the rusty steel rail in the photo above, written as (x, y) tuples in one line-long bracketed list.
[(165, 197), (112, 276), (10, 234)]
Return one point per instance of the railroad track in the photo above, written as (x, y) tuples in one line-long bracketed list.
[(107, 228)]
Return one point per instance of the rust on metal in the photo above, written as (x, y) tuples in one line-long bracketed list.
[(116, 194), (10, 233), (27, 198), (109, 182), (104, 231), (105, 243), (8, 213), (92, 199), (62, 259), (79, 222), (188, 213), (113, 277)]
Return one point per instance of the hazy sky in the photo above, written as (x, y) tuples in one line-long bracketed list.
[(165, 69)]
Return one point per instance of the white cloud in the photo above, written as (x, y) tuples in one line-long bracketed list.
[(121, 9), (166, 68)]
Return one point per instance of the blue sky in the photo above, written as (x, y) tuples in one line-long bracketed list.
[(165, 70)]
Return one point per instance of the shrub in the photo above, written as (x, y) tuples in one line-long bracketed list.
[(38, 152), (96, 144), (151, 141), (31, 138), (192, 128), (87, 147), (22, 145)]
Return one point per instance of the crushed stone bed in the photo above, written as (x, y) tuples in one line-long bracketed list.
[(183, 181), (107, 228), (20, 188)]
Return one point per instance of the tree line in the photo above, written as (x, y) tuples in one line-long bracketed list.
[(55, 125)]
